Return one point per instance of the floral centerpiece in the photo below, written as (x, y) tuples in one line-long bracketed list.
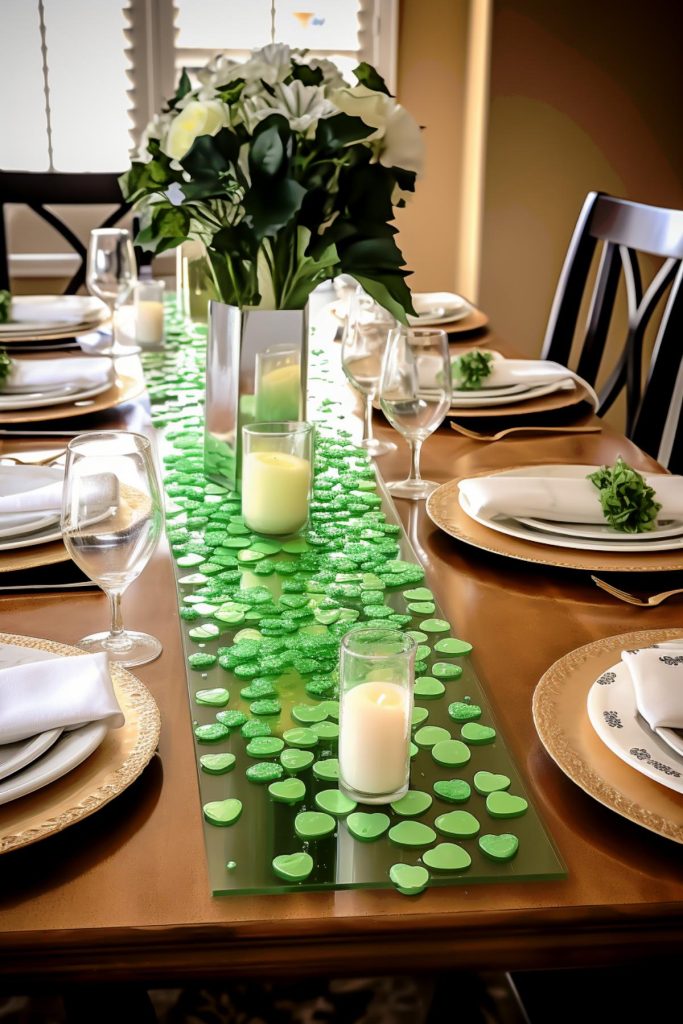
[(286, 173)]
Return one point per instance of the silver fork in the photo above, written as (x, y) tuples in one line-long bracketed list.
[(641, 602)]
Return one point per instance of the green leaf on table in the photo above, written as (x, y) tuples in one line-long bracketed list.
[(5, 305), (628, 502), (471, 369)]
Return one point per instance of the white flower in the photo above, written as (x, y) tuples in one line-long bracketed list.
[(195, 119), (219, 71), (397, 134), (332, 76), (156, 129), (302, 105)]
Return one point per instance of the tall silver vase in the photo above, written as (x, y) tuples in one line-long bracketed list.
[(256, 364)]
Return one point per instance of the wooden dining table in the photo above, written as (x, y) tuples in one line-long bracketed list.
[(125, 895)]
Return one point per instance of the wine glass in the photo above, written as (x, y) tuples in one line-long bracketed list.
[(111, 275), (362, 351), (415, 394), (112, 518)]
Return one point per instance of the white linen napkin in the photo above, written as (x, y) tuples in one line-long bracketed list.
[(65, 309), (524, 371), (560, 499), (657, 675), (59, 693), (99, 492), (54, 374)]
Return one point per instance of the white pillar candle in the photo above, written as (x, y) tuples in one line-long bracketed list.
[(275, 488), (374, 737), (149, 321), (278, 393)]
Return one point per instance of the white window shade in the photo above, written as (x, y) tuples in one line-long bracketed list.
[(23, 119)]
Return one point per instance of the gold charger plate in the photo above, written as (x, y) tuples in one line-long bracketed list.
[(443, 508), (562, 723), (110, 769), (31, 558), (122, 390)]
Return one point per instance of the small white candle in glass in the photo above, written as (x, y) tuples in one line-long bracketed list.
[(277, 470), (277, 384), (377, 672), (149, 312)]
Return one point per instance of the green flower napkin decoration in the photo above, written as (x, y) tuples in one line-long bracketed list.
[(471, 369), (627, 500), (5, 305)]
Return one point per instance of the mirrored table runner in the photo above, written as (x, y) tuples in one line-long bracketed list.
[(230, 581)]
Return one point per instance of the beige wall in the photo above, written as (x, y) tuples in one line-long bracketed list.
[(584, 95), (431, 75)]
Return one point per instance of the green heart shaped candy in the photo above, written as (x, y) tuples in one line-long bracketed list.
[(462, 712), (455, 791), (450, 645), (451, 753), (223, 812), (505, 805), (296, 760), (218, 697), (314, 824), (293, 867), (288, 791), (487, 782), (409, 880), (444, 670), (327, 770), (418, 594), (412, 833), (307, 713), (414, 803), (335, 802), (430, 735), (502, 847), (367, 827), (428, 688), (217, 764), (457, 823), (477, 734), (447, 857)]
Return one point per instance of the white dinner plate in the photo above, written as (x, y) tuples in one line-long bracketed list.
[(514, 527), (435, 308), (68, 752), (26, 522), (595, 531), (45, 526), (15, 756), (458, 400), (614, 716), (36, 400), (52, 312)]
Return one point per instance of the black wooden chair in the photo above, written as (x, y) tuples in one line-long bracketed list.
[(654, 418), (37, 191)]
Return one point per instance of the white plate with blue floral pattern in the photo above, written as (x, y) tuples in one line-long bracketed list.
[(614, 716)]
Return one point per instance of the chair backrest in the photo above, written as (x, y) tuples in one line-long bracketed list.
[(37, 191), (653, 411)]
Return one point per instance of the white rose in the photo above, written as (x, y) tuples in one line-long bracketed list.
[(195, 119), (397, 135), (302, 105)]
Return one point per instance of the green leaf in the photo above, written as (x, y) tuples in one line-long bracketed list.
[(334, 133), (212, 155), (270, 208), (627, 500), (366, 75), (231, 92), (168, 227), (389, 290), (5, 304), (470, 369), (5, 361), (184, 86), (309, 76)]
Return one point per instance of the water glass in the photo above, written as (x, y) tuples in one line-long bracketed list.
[(277, 471), (362, 350), (111, 275), (376, 682), (415, 395), (112, 519)]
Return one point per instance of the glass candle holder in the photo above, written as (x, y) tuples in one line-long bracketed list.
[(377, 673), (277, 470), (149, 312), (277, 384)]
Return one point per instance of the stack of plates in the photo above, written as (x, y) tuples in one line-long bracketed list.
[(612, 711), (51, 318), (508, 394), (26, 529), (434, 308), (667, 535), (30, 764)]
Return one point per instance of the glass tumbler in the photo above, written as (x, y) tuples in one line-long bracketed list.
[(277, 472), (377, 673), (277, 384)]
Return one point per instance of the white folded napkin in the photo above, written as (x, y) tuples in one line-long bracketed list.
[(98, 492), (65, 309), (535, 372), (53, 374), (59, 693), (657, 675), (560, 499)]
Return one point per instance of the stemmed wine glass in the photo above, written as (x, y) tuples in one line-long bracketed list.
[(112, 518), (415, 394), (362, 351), (111, 275)]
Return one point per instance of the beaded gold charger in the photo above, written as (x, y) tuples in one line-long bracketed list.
[(562, 722), (108, 771)]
